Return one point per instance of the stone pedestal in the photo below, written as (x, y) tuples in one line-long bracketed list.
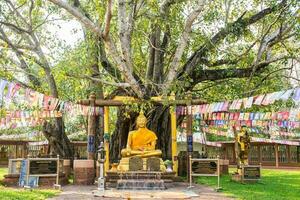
[(84, 172), (124, 165), (112, 179), (248, 174)]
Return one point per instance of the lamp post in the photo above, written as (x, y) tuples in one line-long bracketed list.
[(101, 160)]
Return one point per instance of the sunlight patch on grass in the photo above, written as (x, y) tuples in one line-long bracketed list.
[(275, 185)]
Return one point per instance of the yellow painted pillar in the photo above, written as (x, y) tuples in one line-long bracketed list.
[(106, 138), (174, 136)]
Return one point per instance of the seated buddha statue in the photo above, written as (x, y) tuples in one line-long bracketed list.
[(141, 142)]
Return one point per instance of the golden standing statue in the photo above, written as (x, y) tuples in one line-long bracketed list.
[(141, 142), (243, 142)]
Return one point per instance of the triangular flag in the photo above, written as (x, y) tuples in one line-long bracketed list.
[(259, 99)]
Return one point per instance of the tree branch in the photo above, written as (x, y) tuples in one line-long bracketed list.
[(19, 55), (175, 64), (110, 45), (241, 24), (124, 33), (123, 85), (219, 74), (108, 17), (76, 13)]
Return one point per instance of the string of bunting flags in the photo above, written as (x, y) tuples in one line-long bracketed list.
[(230, 134), (244, 103), (285, 119), (8, 123), (48, 106)]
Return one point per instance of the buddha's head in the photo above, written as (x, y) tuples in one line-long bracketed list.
[(141, 120)]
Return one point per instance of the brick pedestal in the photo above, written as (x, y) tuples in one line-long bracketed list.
[(67, 167), (84, 172), (45, 181)]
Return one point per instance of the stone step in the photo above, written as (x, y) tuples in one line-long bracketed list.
[(141, 184)]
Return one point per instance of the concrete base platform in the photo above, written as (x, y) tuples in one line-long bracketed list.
[(145, 194), (179, 191)]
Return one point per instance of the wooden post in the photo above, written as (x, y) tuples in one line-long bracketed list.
[(218, 171), (174, 136), (106, 140), (259, 154), (27, 170), (276, 156), (190, 171), (91, 130), (189, 137), (288, 153), (16, 153), (57, 170)]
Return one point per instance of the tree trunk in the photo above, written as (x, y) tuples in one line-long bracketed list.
[(158, 121), (55, 133)]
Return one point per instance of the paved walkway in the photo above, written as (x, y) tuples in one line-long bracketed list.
[(179, 191)]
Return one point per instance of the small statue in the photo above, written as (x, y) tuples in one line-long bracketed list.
[(243, 142), (141, 142)]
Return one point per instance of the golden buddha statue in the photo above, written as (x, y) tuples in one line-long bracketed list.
[(141, 142)]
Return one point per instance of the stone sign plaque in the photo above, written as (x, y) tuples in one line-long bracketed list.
[(23, 173), (153, 164), (14, 166), (251, 172), (43, 167), (135, 163), (205, 167)]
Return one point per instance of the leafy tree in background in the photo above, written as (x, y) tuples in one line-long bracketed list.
[(216, 49)]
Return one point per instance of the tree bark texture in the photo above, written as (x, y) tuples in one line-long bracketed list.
[(58, 140)]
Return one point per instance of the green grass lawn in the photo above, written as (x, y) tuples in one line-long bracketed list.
[(275, 185), (7, 193)]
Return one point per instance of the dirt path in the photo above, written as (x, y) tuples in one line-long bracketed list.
[(179, 191)]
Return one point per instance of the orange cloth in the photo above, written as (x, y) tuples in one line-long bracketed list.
[(142, 138)]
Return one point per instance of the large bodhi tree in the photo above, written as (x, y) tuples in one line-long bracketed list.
[(27, 57), (152, 48)]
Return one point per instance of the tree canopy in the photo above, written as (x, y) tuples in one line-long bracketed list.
[(218, 50)]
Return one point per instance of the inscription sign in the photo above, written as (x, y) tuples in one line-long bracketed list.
[(23, 170), (153, 164), (251, 172), (135, 163), (190, 143), (205, 167), (91, 144), (43, 167)]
